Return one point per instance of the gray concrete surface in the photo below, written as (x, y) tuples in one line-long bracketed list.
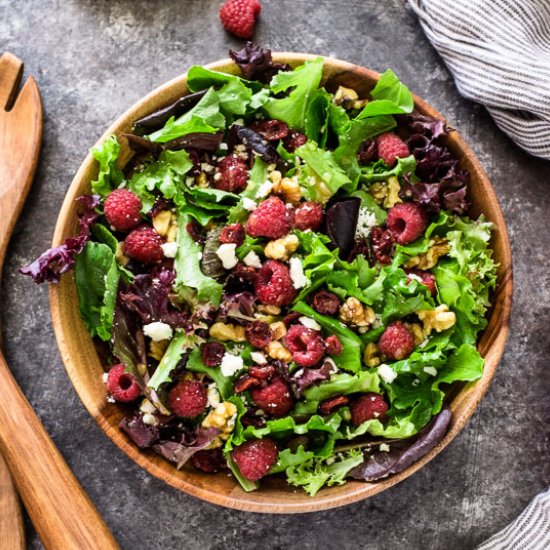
[(93, 59)]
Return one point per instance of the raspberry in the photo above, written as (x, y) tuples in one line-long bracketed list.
[(368, 152), (333, 345), (210, 462), (143, 245), (328, 405), (309, 215), (232, 234), (427, 279), (381, 242), (294, 140), (269, 219), (212, 353), (122, 385), (122, 209), (406, 222), (391, 147), (326, 303), (305, 344), (258, 334), (273, 284), (187, 398), (233, 174), (271, 130), (396, 342), (275, 398), (255, 458), (239, 16), (367, 407)]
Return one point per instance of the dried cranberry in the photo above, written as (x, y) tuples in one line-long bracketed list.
[(212, 353), (328, 405), (258, 334), (333, 344), (368, 152), (195, 232), (360, 248), (209, 461), (245, 382), (294, 140), (381, 242), (232, 234), (325, 302), (306, 345), (291, 318), (262, 373), (271, 130), (241, 279), (426, 277)]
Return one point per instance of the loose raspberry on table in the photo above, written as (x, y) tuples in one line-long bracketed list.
[(212, 353), (391, 147), (326, 303), (396, 342), (305, 344), (232, 234), (209, 461), (255, 458), (406, 222), (333, 345), (122, 210), (294, 140), (328, 405), (258, 334), (309, 215), (272, 130), (426, 277), (232, 174), (273, 285), (381, 242), (187, 398), (122, 385), (144, 245), (239, 16), (368, 407), (274, 399), (269, 219)]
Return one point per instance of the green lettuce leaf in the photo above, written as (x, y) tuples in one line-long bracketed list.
[(343, 383), (379, 171), (109, 176), (172, 356), (223, 383)]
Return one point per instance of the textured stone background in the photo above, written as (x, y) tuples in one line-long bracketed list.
[(93, 59)]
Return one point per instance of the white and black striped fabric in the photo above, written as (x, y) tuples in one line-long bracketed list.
[(531, 531), (499, 54)]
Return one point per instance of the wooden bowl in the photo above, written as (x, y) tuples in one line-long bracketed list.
[(275, 496)]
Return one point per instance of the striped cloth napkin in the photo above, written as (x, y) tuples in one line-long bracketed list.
[(499, 54)]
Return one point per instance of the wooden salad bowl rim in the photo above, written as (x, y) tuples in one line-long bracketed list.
[(274, 496)]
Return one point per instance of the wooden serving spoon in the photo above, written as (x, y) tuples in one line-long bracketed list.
[(60, 510)]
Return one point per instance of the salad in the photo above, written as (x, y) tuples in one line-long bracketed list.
[(284, 277)]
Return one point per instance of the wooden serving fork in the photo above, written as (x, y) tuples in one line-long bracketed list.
[(60, 510)]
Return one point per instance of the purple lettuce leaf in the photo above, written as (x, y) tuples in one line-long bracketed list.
[(423, 124), (237, 306), (306, 377), (143, 435), (380, 464), (180, 452), (253, 141), (57, 260), (256, 63)]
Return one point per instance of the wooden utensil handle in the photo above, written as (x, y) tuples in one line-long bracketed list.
[(60, 510)]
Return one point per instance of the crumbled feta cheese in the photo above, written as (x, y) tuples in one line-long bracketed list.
[(299, 280), (330, 460), (249, 204), (199, 255), (252, 260), (207, 167), (309, 323), (231, 364), (158, 331), (170, 249), (387, 373), (365, 222), (226, 253), (213, 396), (105, 377), (384, 447), (299, 373), (223, 147), (149, 419), (217, 176), (258, 357), (414, 277), (415, 382), (430, 370), (264, 189)]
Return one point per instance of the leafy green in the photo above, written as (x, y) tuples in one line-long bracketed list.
[(316, 122), (368, 203), (109, 176), (343, 383), (302, 82), (172, 356), (187, 266), (200, 78), (97, 277), (380, 171), (223, 383)]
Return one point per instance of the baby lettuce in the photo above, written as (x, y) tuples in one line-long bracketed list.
[(302, 81), (172, 356), (187, 266), (196, 364), (109, 176)]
